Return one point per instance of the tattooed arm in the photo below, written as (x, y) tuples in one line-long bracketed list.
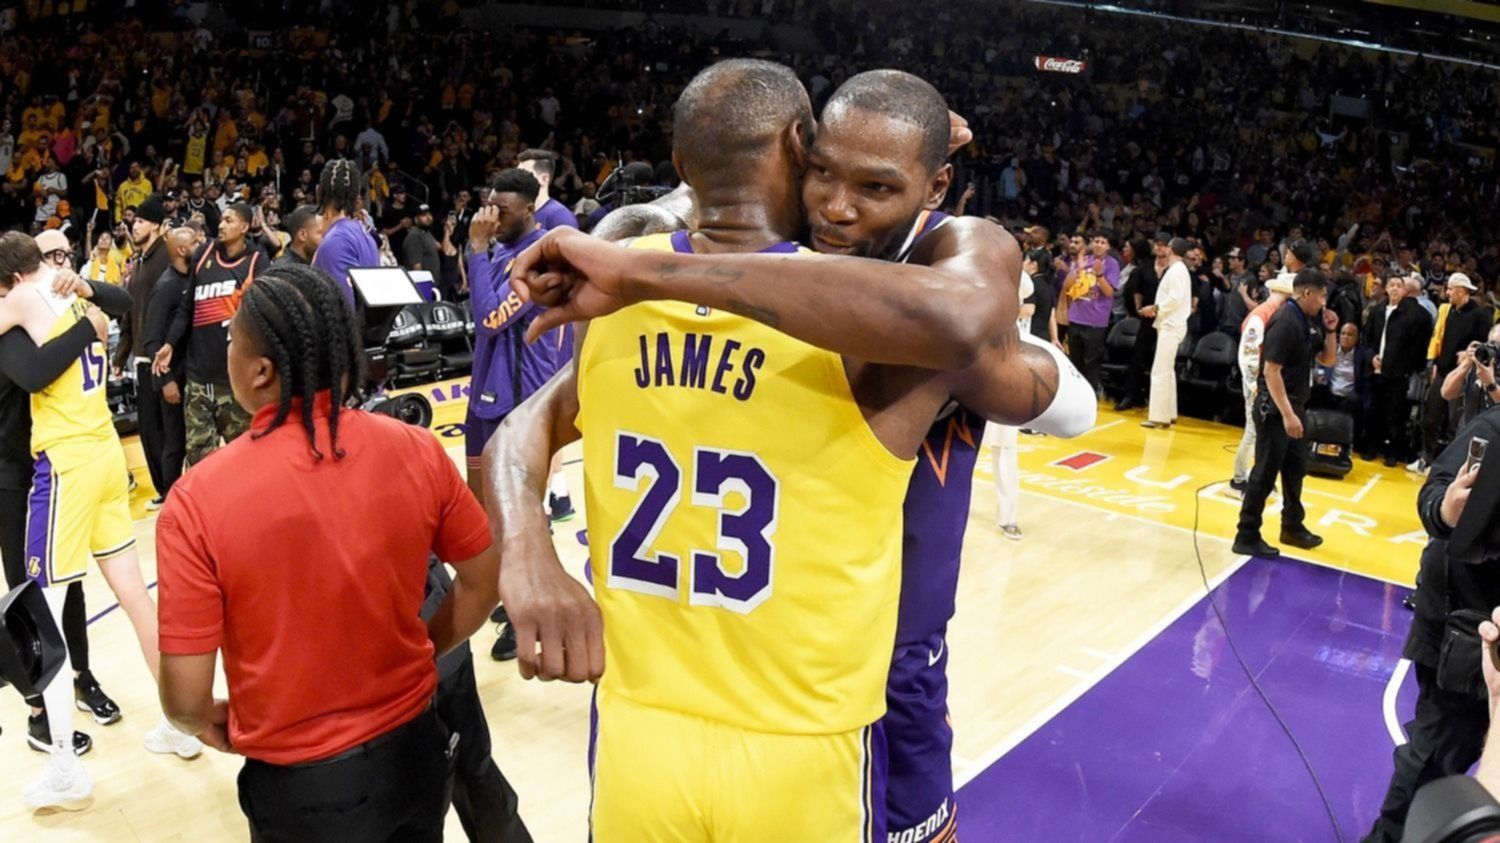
[(944, 316)]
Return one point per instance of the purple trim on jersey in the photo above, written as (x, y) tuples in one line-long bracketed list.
[(41, 524), (682, 243), (345, 245), (934, 220), (500, 322), (554, 214), (919, 743), (593, 752), (477, 434)]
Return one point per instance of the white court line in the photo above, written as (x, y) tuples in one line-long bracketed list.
[(1069, 671), (1097, 428), (1100, 654), (995, 753), (1388, 701), (1354, 498)]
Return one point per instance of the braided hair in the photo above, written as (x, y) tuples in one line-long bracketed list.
[(298, 314), (341, 187)]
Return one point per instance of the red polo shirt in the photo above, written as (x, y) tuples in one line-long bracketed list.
[(309, 576)]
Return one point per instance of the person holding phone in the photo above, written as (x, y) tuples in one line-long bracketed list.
[(1447, 731)]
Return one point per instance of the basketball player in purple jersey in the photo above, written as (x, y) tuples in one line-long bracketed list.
[(869, 191)]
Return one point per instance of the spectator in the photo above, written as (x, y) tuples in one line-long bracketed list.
[(1090, 290), (396, 219), (1399, 334), (1472, 384), (1299, 334), (1345, 386), (1204, 318), (50, 188), (1140, 292), (304, 229), (1462, 321), (133, 191), (132, 354), (587, 205), (1169, 312), (164, 302), (1237, 301), (420, 250)]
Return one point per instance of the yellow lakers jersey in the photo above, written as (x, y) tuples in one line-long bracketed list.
[(74, 408), (744, 521)]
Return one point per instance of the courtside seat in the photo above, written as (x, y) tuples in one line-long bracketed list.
[(1205, 382), (1119, 347), (448, 332)]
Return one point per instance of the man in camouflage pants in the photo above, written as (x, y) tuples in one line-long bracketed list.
[(211, 413)]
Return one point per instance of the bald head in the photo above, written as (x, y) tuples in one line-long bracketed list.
[(899, 96), (180, 243), (1413, 286), (735, 111)]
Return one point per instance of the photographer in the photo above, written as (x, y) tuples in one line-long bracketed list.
[(1478, 393), (1446, 734)]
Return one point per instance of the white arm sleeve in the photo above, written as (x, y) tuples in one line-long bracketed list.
[(1075, 408)]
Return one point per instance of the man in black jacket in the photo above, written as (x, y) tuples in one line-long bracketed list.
[(161, 311), (1446, 733), (1398, 334), (1468, 321), (146, 232), (24, 369)]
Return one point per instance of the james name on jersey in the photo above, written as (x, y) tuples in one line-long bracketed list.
[(662, 364)]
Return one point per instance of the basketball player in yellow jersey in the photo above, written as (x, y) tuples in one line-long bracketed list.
[(745, 638), (79, 504)]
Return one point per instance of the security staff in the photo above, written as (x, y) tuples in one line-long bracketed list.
[(1446, 733), (1301, 331)]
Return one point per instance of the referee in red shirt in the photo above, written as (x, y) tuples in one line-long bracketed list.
[(301, 551)]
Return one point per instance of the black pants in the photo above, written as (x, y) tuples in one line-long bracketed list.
[(484, 801), (13, 551), (1141, 358), (1086, 350), (1443, 738), (393, 788), (1436, 413), (1276, 453), (163, 431), (1392, 413)]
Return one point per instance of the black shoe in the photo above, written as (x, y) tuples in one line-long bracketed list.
[(39, 736), (1255, 547), (1410, 601), (1300, 537), (1391, 462), (505, 646), (560, 507), (499, 616), (91, 698)]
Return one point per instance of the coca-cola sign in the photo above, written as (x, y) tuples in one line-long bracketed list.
[(1050, 64)]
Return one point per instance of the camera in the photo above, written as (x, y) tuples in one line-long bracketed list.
[(1484, 355)]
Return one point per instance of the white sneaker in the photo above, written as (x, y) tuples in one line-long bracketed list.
[(166, 740), (59, 788), (1011, 531)]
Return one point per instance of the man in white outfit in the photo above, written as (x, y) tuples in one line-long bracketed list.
[(1174, 303), (1006, 450)]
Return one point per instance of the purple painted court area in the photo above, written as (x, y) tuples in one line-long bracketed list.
[(1175, 745)]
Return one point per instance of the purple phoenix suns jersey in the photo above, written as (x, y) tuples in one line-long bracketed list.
[(937, 505)]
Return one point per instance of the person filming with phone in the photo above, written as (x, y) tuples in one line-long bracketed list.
[(1460, 586)]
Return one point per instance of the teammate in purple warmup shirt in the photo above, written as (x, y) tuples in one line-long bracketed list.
[(346, 244), (551, 214)]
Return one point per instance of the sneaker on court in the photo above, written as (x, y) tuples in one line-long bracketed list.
[(58, 787), (1301, 537), (91, 698), (39, 736), (166, 740), (499, 616), (156, 503), (560, 507), (1011, 531), (1420, 466), (505, 646), (1255, 547)]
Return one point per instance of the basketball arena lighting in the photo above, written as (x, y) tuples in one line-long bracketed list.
[(1249, 27)]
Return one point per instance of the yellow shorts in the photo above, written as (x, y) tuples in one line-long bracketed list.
[(663, 776), (79, 507)]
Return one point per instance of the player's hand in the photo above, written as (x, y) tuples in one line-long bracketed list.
[(217, 734), (959, 133), (1457, 496), (574, 275), (171, 393), (550, 610), (1330, 320), (482, 227), (162, 361), (67, 283), (100, 322), (1293, 426)]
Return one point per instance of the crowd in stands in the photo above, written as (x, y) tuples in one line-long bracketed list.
[(1225, 137)]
